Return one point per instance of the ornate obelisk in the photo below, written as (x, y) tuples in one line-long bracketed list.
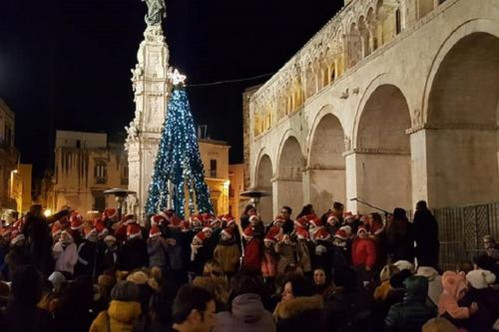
[(150, 86)]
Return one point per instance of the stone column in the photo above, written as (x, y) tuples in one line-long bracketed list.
[(150, 85)]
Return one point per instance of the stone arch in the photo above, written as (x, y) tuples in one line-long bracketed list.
[(263, 182), (326, 163), (289, 181), (382, 148), (461, 114)]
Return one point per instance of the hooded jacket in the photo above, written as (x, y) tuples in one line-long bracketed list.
[(227, 254), (247, 315), (434, 282), (120, 317), (300, 314), (412, 313), (453, 283)]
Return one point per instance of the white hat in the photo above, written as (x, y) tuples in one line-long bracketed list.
[(480, 279)]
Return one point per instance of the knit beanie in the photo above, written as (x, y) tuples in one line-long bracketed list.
[(125, 291)]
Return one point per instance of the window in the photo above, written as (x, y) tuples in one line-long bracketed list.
[(213, 168), (99, 203), (124, 176), (78, 144), (100, 173)]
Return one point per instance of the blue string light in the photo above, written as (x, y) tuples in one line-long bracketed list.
[(178, 163)]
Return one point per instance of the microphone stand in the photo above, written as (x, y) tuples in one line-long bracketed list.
[(370, 205)]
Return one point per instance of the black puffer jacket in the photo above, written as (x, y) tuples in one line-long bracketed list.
[(412, 313)]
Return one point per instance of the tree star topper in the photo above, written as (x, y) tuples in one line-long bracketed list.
[(176, 77)]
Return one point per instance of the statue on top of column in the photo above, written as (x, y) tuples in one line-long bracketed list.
[(156, 12)]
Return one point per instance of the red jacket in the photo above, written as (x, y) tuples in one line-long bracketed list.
[(363, 253), (252, 254)]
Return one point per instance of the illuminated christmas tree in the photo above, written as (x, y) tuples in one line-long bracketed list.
[(178, 169)]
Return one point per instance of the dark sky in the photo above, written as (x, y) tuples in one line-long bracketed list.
[(65, 64)]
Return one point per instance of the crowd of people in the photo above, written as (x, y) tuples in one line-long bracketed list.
[(334, 272)]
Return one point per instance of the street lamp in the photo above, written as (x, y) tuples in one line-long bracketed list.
[(120, 196)]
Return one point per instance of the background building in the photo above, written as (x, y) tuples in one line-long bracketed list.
[(236, 176), (86, 164), (9, 156), (215, 157), (20, 189), (391, 102)]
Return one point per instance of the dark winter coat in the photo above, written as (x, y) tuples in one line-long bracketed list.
[(20, 319), (412, 313), (488, 305), (89, 258), (288, 226), (300, 314), (133, 255), (425, 231), (247, 315), (400, 241)]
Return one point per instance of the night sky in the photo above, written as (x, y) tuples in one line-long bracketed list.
[(65, 64)]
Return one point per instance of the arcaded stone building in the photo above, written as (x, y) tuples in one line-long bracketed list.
[(392, 102)]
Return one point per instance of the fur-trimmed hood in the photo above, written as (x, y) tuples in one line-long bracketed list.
[(297, 306)]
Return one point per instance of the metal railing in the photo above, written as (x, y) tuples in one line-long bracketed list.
[(461, 230)]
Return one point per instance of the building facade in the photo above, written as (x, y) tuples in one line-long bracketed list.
[(237, 186), (390, 103), (215, 158), (86, 165), (20, 185), (8, 156)]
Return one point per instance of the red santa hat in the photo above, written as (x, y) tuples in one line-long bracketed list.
[(341, 234), (215, 221), (322, 234), (274, 234), (279, 220), (348, 216), (253, 219), (248, 233), (362, 229), (110, 213), (154, 231), (100, 228), (230, 221), (157, 219), (301, 233), (207, 219), (332, 220), (76, 223), (228, 233), (301, 222), (56, 229), (207, 230), (316, 222), (89, 232), (129, 219), (347, 229), (133, 230), (196, 220), (200, 237)]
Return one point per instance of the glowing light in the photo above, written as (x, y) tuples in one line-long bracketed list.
[(178, 170), (176, 77), (47, 213)]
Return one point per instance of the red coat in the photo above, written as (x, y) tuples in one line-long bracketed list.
[(253, 254), (363, 253)]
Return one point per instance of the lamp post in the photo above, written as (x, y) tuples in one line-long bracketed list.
[(120, 196)]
